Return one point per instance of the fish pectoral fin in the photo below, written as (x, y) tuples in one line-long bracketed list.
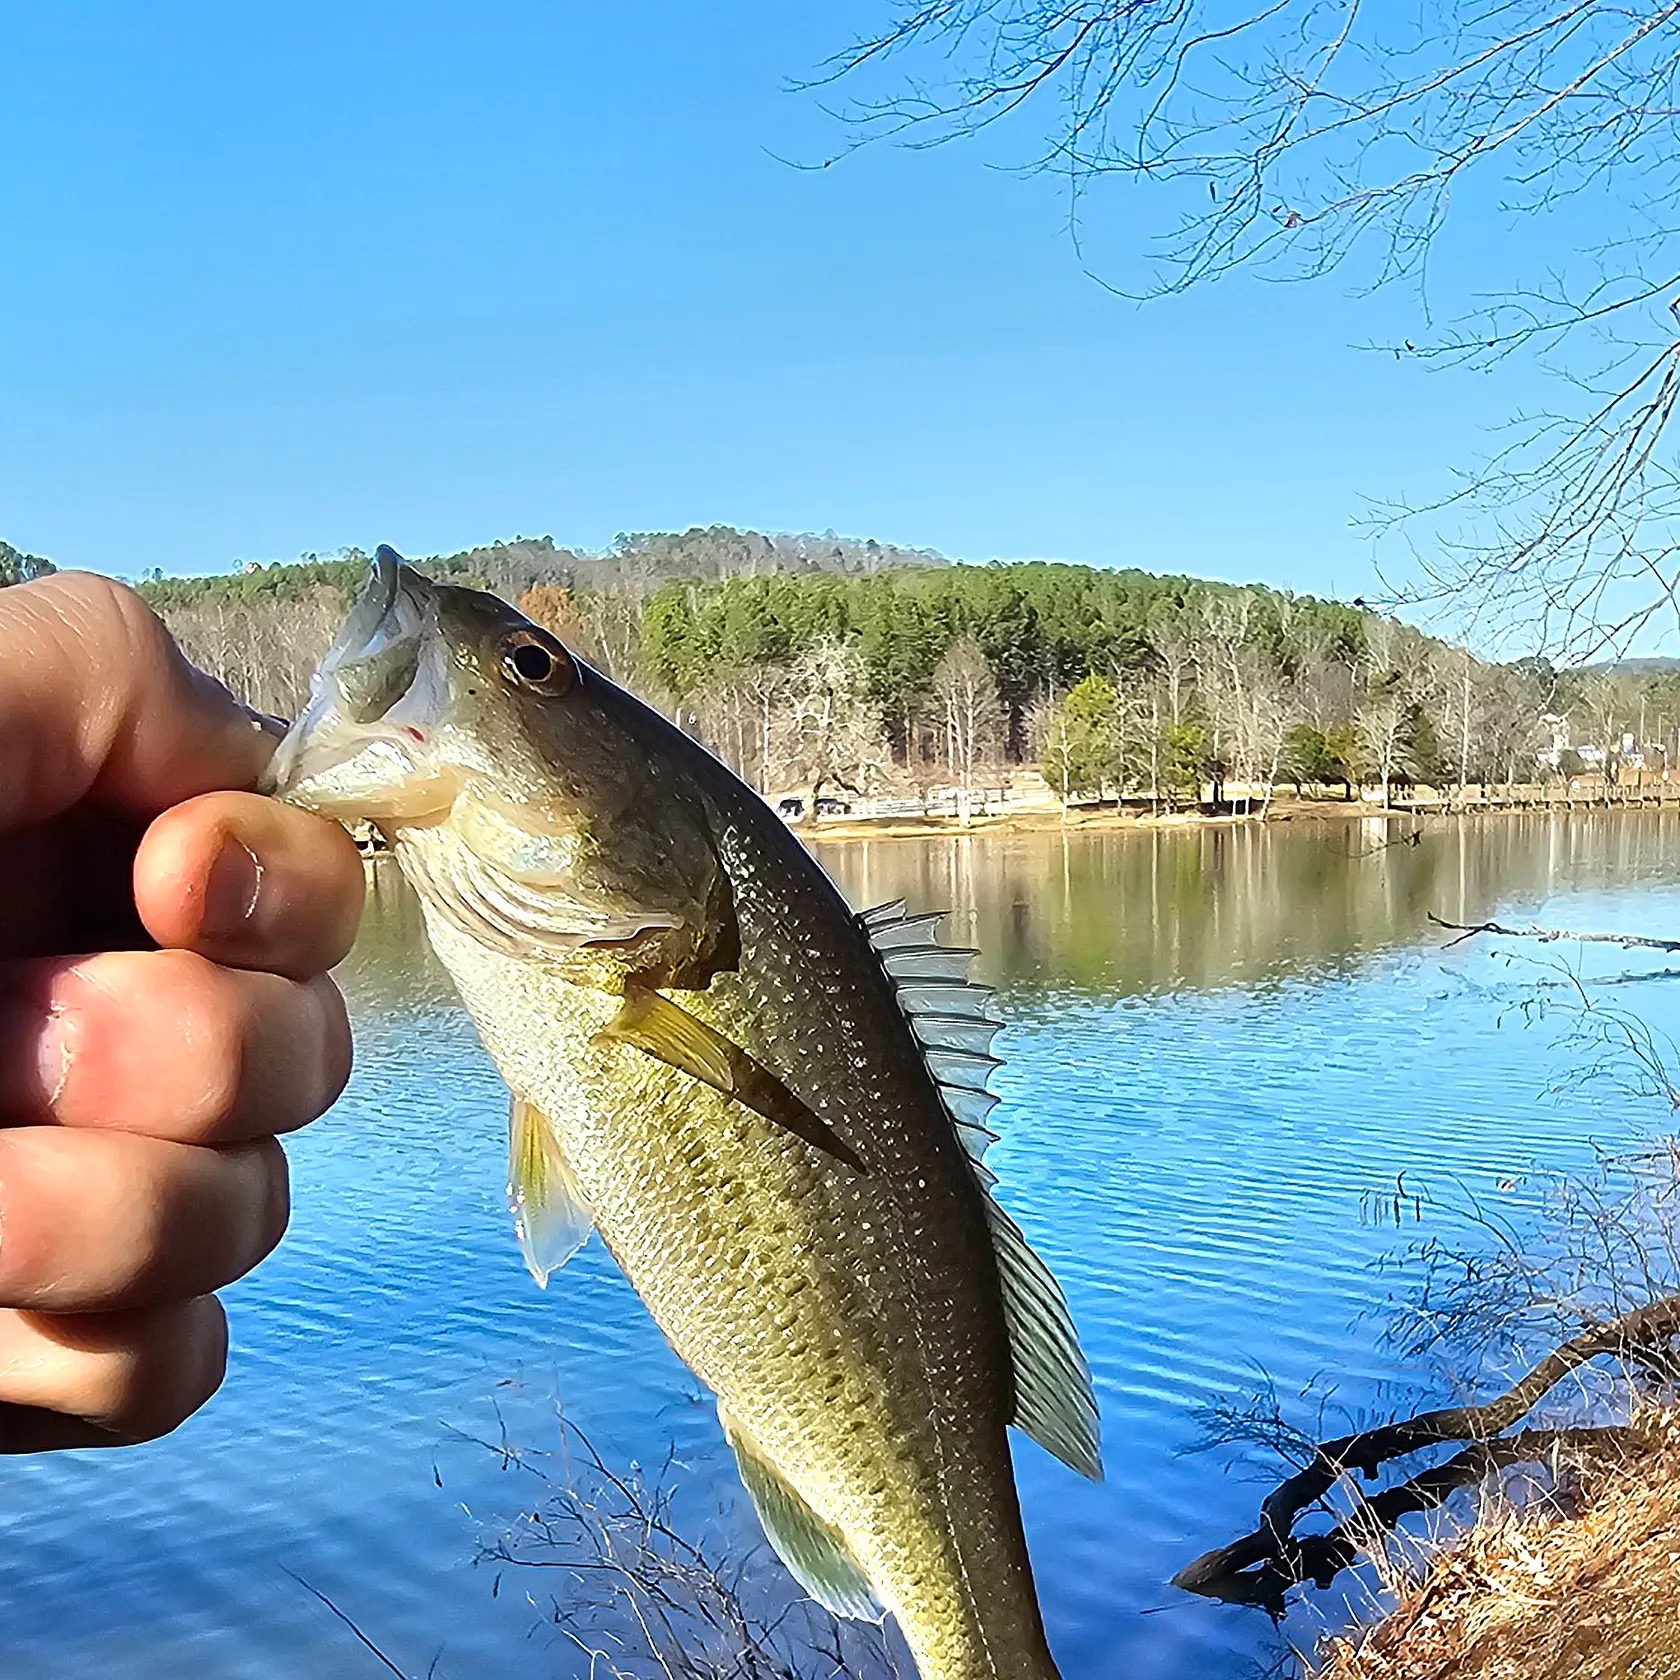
[(549, 1213), (814, 1551), (666, 1031)]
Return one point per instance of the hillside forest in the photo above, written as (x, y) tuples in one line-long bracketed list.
[(829, 667)]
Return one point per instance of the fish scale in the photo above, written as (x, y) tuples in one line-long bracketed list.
[(725, 1078)]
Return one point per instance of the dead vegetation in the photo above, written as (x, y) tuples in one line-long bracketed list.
[(645, 1594), (1263, 1566), (1581, 1585), (1561, 1556)]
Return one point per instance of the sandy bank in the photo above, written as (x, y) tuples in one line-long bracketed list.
[(1081, 819)]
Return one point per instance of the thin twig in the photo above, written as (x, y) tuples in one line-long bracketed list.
[(343, 1617)]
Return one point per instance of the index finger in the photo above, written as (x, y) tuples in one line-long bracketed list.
[(97, 701)]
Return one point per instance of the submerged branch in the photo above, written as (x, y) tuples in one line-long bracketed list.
[(368, 1644), (1260, 1567), (1468, 930)]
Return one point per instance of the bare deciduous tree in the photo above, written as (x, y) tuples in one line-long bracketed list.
[(1175, 649), (1382, 739), (968, 696), (261, 648), (832, 729), (1294, 136)]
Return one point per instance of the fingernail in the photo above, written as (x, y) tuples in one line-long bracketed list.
[(35, 1047), (230, 894), (52, 1055)]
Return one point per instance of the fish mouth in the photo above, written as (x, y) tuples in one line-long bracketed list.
[(378, 692)]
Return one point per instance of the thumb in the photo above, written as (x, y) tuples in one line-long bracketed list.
[(98, 702)]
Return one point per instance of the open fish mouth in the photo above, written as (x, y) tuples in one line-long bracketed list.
[(380, 689)]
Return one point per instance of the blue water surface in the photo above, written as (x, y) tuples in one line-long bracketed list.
[(1220, 1050)]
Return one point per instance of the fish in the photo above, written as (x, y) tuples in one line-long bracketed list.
[(771, 1108)]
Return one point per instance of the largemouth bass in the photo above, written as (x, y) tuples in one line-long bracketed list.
[(771, 1109)]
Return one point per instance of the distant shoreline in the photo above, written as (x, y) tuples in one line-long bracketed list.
[(1109, 819)]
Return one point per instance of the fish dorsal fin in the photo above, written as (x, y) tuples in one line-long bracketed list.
[(952, 1021), (657, 1027), (950, 1016), (882, 913), (549, 1213), (1054, 1403), (814, 1551)]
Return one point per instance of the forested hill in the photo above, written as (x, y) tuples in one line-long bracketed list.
[(675, 614), (812, 661), (636, 561)]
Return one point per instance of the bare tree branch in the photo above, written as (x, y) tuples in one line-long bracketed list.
[(1292, 136), (1258, 1568)]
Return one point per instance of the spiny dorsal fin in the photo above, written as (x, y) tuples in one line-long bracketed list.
[(953, 1023), (948, 1015), (549, 1214), (882, 914), (815, 1552)]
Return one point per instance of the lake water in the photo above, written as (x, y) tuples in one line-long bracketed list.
[(1221, 1042)]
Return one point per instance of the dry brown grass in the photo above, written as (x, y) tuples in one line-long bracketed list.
[(1585, 1586)]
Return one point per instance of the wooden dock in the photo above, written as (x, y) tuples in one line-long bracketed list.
[(1649, 794)]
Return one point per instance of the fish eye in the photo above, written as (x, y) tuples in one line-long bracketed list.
[(533, 659)]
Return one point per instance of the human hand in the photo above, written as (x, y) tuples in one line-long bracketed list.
[(164, 1013)]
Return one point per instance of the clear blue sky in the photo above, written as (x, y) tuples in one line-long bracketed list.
[(292, 277)]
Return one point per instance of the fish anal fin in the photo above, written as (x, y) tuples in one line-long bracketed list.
[(814, 1551), (550, 1216), (655, 1025)]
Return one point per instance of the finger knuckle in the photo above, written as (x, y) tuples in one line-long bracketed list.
[(337, 1054), (211, 1018), (112, 612), (168, 1373)]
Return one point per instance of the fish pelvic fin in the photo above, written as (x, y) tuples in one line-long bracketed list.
[(655, 1025), (954, 1026), (550, 1215), (814, 1551)]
